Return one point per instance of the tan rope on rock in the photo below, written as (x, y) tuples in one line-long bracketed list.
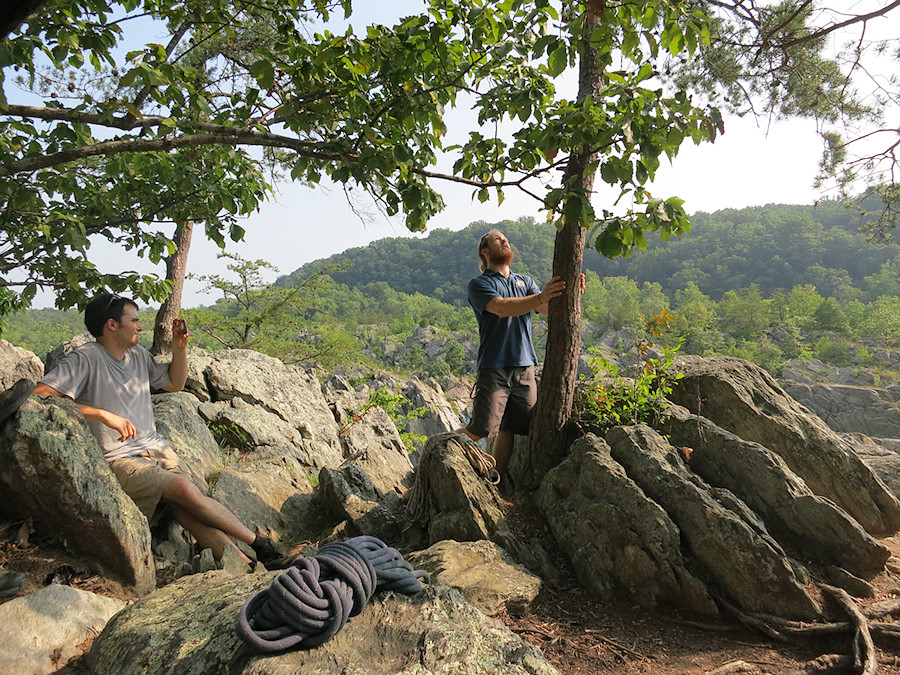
[(483, 464)]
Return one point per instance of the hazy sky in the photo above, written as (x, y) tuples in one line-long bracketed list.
[(752, 164)]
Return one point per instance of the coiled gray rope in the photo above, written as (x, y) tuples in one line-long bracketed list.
[(307, 604)]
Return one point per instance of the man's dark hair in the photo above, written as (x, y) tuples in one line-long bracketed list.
[(103, 307)]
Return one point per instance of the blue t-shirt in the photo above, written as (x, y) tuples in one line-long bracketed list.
[(505, 341)]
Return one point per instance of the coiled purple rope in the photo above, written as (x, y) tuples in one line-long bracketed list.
[(307, 604)]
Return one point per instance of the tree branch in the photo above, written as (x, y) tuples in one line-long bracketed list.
[(219, 135)]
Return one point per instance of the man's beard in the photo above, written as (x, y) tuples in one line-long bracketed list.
[(501, 257)]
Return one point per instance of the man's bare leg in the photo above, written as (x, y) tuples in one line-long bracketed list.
[(206, 536), (502, 450), (206, 510)]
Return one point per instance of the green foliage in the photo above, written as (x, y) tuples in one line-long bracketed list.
[(609, 399), (229, 435), (41, 330), (829, 351), (253, 314), (398, 409), (828, 316), (763, 352), (774, 247)]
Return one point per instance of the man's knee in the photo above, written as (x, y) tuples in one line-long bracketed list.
[(182, 491)]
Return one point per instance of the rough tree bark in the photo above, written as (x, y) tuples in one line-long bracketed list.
[(548, 441), (176, 268), (14, 12)]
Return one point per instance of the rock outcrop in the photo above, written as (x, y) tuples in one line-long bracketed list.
[(53, 471), (188, 627), (16, 364), (747, 401), (41, 632), (746, 497), (802, 520), (483, 572), (620, 542)]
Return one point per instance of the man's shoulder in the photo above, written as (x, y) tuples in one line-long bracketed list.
[(483, 279)]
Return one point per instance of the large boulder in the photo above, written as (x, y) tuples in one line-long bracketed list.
[(349, 496), (374, 444), (483, 572), (452, 500), (726, 539), (187, 628), (251, 428), (744, 399), (268, 492), (621, 543), (810, 524), (449, 498), (17, 364), (292, 393), (41, 632), (52, 465), (178, 422)]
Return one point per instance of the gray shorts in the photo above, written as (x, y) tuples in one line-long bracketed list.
[(504, 400), (144, 477)]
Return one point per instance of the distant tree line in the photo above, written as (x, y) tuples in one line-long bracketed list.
[(775, 247), (768, 284)]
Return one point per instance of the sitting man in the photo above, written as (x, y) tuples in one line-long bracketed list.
[(110, 381)]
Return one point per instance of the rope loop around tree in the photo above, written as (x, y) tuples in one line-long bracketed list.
[(307, 604)]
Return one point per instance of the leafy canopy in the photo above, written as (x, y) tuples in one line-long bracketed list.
[(128, 138), (108, 135)]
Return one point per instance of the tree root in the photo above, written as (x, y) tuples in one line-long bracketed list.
[(865, 661), (863, 657)]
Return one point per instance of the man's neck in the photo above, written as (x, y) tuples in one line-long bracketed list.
[(115, 351), (500, 269)]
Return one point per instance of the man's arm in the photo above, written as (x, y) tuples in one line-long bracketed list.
[(91, 414), (505, 307), (178, 367)]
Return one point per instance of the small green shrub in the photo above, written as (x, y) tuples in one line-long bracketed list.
[(612, 399), (394, 405)]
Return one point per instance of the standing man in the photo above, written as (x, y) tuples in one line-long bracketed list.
[(505, 390), (110, 382)]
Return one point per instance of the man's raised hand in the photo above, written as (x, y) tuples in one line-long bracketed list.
[(180, 334)]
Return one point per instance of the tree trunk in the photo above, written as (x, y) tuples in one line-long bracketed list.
[(13, 13), (176, 267), (548, 441)]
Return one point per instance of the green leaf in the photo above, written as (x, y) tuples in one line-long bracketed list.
[(264, 72), (558, 59)]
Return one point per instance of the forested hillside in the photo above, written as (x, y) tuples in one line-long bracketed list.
[(774, 247)]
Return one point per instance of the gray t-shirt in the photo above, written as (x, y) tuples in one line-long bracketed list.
[(91, 376)]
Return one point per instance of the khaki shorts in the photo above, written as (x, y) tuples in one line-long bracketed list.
[(504, 400), (144, 477)]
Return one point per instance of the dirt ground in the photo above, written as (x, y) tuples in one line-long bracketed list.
[(578, 635)]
